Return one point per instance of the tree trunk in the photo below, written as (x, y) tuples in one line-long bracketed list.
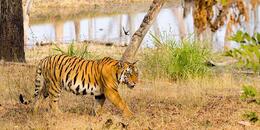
[(131, 23), (58, 27), (26, 14), (90, 28), (11, 31), (181, 22), (77, 30), (138, 36)]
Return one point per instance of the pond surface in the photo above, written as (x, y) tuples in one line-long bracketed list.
[(170, 22)]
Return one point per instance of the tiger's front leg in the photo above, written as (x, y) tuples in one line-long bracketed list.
[(114, 97), (99, 102)]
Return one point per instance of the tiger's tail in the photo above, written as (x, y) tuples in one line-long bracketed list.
[(37, 82), (38, 87)]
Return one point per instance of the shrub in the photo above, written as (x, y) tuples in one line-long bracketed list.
[(176, 60), (248, 54)]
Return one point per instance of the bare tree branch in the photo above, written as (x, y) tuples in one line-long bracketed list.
[(138, 36), (28, 6)]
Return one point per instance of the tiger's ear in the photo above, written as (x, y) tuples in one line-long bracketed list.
[(135, 62)]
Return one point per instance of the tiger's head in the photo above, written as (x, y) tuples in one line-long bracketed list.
[(128, 73)]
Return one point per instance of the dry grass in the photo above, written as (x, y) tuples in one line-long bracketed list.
[(204, 103)]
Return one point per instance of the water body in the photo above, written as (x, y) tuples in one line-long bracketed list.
[(111, 28)]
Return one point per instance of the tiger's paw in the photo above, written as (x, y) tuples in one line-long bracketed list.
[(94, 113), (57, 114), (128, 114)]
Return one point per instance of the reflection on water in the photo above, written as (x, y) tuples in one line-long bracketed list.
[(110, 28)]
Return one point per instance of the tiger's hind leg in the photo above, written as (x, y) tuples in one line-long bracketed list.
[(54, 92), (98, 105), (42, 94), (38, 100)]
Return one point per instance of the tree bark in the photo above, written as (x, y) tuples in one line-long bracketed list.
[(138, 36), (58, 27), (181, 22), (11, 31), (77, 30), (90, 29)]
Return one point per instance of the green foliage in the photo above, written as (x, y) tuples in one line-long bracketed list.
[(176, 60), (248, 91), (243, 37), (250, 94), (248, 54), (72, 50), (251, 116)]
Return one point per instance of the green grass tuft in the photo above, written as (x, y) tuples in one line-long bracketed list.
[(248, 92), (251, 116), (73, 50), (177, 60)]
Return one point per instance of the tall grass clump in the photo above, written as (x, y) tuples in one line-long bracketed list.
[(73, 50), (177, 60)]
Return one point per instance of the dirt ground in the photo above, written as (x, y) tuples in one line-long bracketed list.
[(203, 103)]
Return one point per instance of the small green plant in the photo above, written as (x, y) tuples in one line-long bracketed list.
[(80, 51), (178, 60), (251, 116), (248, 91), (248, 54), (250, 94)]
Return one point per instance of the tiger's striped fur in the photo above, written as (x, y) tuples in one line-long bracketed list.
[(99, 78)]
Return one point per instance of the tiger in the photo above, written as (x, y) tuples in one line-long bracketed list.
[(99, 78)]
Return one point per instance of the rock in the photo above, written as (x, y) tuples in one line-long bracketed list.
[(244, 123)]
